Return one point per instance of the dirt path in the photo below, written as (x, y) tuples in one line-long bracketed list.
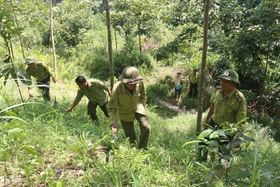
[(173, 107)]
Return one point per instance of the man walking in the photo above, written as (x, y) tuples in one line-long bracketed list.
[(128, 103), (94, 90), (42, 75), (193, 84), (227, 104)]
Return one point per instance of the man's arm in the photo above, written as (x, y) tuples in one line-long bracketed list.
[(109, 91), (30, 93), (49, 72), (76, 100), (75, 103)]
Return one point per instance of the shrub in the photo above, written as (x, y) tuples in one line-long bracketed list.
[(123, 60), (156, 91)]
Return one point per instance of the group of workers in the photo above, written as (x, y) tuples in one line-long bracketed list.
[(128, 98)]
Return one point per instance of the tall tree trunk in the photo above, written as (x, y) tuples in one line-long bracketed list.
[(14, 71), (20, 41), (139, 36), (109, 43), (12, 49), (264, 78), (52, 38), (203, 66)]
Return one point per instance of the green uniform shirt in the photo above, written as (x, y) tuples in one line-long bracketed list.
[(232, 108), (124, 104), (95, 93), (40, 72), (194, 78)]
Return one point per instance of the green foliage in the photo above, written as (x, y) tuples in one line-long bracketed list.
[(157, 91), (97, 64), (223, 141), (130, 56), (251, 37), (47, 141), (270, 122), (188, 11)]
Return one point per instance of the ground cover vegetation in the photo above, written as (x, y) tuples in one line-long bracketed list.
[(42, 145)]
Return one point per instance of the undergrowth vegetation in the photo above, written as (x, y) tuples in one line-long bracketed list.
[(42, 145)]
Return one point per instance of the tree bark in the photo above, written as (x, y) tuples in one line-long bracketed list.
[(203, 66), (52, 38), (139, 36), (109, 43)]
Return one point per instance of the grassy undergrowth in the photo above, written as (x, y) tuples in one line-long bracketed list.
[(42, 145)]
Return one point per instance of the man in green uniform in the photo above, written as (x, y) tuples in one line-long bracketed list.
[(193, 83), (227, 104), (128, 103), (94, 90), (42, 75)]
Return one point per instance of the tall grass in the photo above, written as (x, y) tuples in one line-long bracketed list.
[(41, 145)]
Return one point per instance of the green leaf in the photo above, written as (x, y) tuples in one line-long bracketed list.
[(212, 142), (10, 113), (5, 72), (214, 134), (30, 149), (204, 133), (22, 76), (246, 138), (59, 184), (191, 142), (3, 102), (14, 133)]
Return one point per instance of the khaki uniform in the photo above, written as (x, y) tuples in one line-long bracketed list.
[(95, 93), (125, 104), (40, 73), (129, 107), (232, 108), (193, 85), (194, 78)]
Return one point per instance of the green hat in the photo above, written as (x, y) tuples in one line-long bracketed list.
[(230, 75), (29, 60), (130, 75)]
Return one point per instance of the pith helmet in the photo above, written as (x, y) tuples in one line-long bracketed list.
[(230, 75), (29, 60), (130, 75)]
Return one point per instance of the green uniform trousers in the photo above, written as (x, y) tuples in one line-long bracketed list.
[(145, 128), (92, 110)]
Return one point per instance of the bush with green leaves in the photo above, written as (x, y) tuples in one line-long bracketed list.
[(156, 91), (135, 58)]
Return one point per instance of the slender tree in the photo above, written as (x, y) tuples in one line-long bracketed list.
[(203, 66), (109, 43), (52, 38)]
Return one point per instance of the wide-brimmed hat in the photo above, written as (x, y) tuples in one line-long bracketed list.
[(130, 75), (29, 60), (230, 75)]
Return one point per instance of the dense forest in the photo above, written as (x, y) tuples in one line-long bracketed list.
[(42, 145)]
